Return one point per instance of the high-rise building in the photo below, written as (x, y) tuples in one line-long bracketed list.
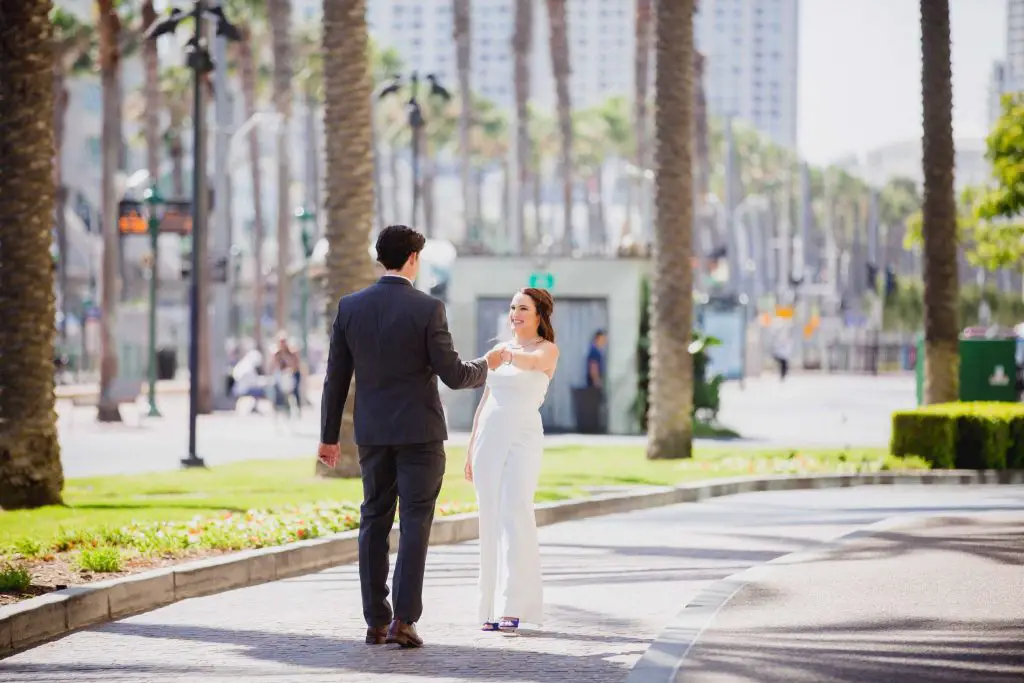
[(601, 40), (750, 47), (1014, 45), (1008, 75)]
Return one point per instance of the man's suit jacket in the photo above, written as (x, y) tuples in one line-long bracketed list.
[(395, 339)]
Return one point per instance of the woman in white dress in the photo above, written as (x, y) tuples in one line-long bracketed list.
[(503, 462)]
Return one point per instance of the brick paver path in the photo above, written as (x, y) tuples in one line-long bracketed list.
[(611, 584)]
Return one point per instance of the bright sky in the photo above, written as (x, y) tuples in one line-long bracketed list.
[(860, 72)]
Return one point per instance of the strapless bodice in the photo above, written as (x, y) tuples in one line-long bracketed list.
[(517, 390)]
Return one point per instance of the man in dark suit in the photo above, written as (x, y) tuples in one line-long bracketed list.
[(395, 340)]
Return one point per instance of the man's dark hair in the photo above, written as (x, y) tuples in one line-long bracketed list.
[(396, 243), (598, 335)]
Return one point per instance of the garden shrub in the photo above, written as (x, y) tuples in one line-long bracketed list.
[(971, 435)]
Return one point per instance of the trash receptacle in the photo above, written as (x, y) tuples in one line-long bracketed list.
[(987, 370), (587, 404), (166, 363)]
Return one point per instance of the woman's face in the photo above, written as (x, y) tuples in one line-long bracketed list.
[(522, 314)]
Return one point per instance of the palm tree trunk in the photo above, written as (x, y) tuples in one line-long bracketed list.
[(60, 110), (941, 285), (151, 61), (463, 58), (641, 70), (396, 198), (110, 68), (280, 12), (522, 49), (349, 180), (247, 70), (428, 173), (537, 182), (561, 68), (30, 468), (671, 373)]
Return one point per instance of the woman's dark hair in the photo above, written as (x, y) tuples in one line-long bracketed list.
[(545, 305), (396, 243)]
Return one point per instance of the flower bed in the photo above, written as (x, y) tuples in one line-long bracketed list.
[(80, 556)]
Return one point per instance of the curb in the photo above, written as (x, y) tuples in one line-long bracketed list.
[(35, 621)]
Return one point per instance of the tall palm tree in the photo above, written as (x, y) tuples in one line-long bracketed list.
[(385, 64), (110, 77), (522, 51), (641, 73), (670, 427), (941, 327), (72, 41), (174, 84), (30, 469), (151, 92), (250, 15), (280, 17), (463, 35), (349, 201), (560, 66)]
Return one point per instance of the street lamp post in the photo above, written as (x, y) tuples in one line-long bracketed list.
[(305, 218), (416, 123), (155, 204), (199, 61)]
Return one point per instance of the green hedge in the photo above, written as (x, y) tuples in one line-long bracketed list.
[(975, 436)]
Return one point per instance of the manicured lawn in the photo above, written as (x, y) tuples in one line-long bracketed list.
[(100, 505)]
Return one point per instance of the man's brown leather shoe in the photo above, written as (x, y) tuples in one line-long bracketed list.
[(403, 634), (376, 635)]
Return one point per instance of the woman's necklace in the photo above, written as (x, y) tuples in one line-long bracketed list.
[(513, 345), (519, 347)]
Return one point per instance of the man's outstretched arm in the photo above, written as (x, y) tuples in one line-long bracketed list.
[(452, 370), (337, 381)]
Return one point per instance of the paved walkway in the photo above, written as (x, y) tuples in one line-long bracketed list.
[(611, 585), (939, 600), (823, 410)]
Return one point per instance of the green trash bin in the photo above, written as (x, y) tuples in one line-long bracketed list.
[(988, 370)]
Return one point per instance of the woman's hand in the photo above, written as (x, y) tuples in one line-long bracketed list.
[(468, 469)]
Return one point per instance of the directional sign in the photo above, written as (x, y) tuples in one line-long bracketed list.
[(542, 280)]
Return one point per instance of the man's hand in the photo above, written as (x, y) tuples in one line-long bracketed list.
[(328, 454), (494, 358)]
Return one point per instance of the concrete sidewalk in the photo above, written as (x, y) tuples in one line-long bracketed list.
[(611, 585), (933, 601)]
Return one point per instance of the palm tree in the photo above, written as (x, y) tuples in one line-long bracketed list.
[(250, 14), (671, 385), (151, 92), (559, 41), (941, 327), (349, 203), (462, 33), (30, 469), (522, 51), (175, 91), (385, 64), (280, 17), (72, 42), (110, 77), (641, 72), (439, 134)]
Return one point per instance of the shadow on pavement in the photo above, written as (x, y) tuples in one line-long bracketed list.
[(343, 655), (908, 651)]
